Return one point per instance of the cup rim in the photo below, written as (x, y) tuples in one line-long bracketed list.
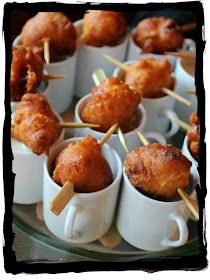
[(160, 202), (29, 151), (101, 134), (88, 194)]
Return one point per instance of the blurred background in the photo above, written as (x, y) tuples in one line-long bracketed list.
[(19, 17)]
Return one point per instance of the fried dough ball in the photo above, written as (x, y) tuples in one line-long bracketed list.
[(26, 72), (111, 102), (194, 135), (54, 27), (35, 124), (83, 164), (148, 76), (102, 28), (158, 170), (166, 35)]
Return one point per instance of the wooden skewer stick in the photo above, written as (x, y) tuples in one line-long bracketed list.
[(142, 137), (191, 91), (182, 124), (184, 54), (122, 139), (188, 26), (115, 62), (47, 51), (176, 96), (77, 125), (192, 204), (73, 125), (61, 199), (67, 192), (98, 76), (108, 134), (53, 77)]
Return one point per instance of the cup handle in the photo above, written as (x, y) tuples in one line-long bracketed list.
[(174, 127), (183, 231), (156, 136), (189, 45), (70, 221)]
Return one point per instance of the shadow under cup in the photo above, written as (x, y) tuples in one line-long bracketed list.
[(87, 216), (155, 225)]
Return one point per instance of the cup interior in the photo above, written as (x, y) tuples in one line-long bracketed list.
[(187, 67)]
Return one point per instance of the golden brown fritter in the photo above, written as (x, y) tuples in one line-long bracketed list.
[(35, 123), (26, 72), (148, 76), (111, 102), (101, 28), (83, 164), (158, 170), (194, 135), (166, 35), (54, 27)]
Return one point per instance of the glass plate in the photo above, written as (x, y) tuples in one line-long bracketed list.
[(25, 219)]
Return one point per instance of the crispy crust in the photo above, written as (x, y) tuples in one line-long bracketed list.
[(194, 135), (147, 76), (158, 169), (35, 123), (83, 164), (167, 34), (54, 27), (26, 72), (102, 28), (111, 102)]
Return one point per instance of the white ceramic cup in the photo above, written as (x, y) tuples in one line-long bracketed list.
[(158, 109), (185, 81), (186, 151), (150, 224), (60, 91), (28, 168), (131, 137), (134, 52), (90, 59), (88, 215)]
